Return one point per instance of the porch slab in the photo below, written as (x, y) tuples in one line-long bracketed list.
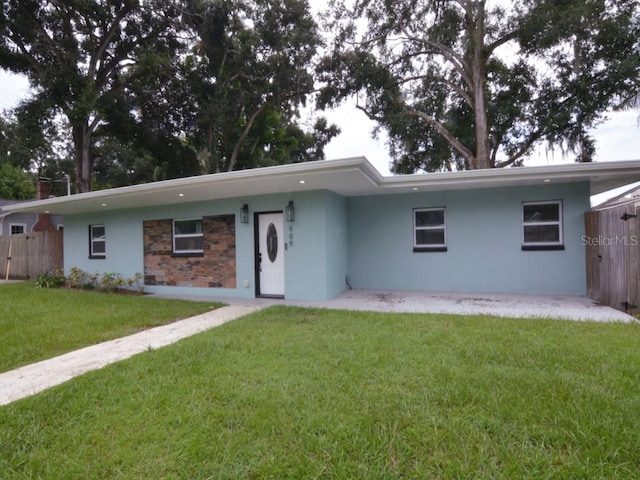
[(501, 305)]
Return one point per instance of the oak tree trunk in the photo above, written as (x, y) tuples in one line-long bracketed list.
[(83, 160), (478, 67)]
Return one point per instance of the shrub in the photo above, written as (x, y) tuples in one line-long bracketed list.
[(110, 282), (78, 278), (107, 282), (50, 279)]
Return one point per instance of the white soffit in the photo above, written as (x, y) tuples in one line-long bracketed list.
[(601, 177), (346, 177)]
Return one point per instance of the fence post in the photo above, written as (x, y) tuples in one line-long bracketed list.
[(9, 259)]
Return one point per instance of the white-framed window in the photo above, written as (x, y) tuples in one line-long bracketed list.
[(187, 236), (542, 225), (97, 241), (60, 227), (17, 228), (429, 229)]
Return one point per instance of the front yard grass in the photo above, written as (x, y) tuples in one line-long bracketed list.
[(37, 323), (289, 393)]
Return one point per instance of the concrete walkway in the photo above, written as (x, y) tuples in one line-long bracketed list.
[(31, 379)]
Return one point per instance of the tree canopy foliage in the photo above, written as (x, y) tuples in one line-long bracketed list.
[(461, 84), (155, 89), (132, 91), (248, 74), (15, 183), (80, 56)]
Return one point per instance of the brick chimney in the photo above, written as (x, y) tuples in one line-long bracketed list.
[(43, 189), (43, 223)]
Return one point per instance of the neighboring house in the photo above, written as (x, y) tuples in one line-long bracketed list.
[(16, 223), (309, 231), (629, 195)]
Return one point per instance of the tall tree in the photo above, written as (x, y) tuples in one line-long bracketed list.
[(33, 137), (477, 84), (249, 72), (15, 183), (80, 56)]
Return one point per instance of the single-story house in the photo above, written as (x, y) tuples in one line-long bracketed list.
[(309, 231)]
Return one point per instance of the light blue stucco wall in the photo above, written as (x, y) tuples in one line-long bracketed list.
[(484, 239), (320, 220), (337, 241), (370, 241), (305, 259), (123, 242), (316, 265)]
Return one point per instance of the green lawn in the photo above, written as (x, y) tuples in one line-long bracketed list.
[(290, 393), (36, 323)]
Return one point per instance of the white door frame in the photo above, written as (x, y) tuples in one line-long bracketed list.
[(269, 254)]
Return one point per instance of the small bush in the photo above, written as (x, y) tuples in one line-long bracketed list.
[(54, 279), (78, 278), (107, 282)]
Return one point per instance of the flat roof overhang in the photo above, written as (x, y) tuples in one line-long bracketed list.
[(347, 177)]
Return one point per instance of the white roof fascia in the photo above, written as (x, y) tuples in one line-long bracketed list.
[(346, 177), (360, 166), (626, 171)]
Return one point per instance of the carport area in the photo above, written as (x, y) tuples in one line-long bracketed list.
[(502, 305)]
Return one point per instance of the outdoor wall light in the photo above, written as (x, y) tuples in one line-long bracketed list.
[(289, 212), (244, 214)]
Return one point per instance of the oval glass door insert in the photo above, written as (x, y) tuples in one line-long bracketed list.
[(272, 242)]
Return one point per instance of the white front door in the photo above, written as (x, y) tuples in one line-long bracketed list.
[(271, 254)]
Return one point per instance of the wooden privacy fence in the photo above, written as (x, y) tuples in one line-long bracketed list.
[(612, 240), (27, 255)]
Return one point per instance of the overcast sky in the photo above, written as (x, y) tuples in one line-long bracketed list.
[(617, 139)]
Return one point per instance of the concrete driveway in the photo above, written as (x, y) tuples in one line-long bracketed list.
[(518, 306), (502, 305)]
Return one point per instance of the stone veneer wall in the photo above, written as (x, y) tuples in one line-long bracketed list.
[(215, 268)]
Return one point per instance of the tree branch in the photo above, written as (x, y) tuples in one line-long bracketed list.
[(447, 135), (30, 58), (94, 124), (501, 41), (243, 136), (448, 54), (533, 138), (443, 80), (105, 40)]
